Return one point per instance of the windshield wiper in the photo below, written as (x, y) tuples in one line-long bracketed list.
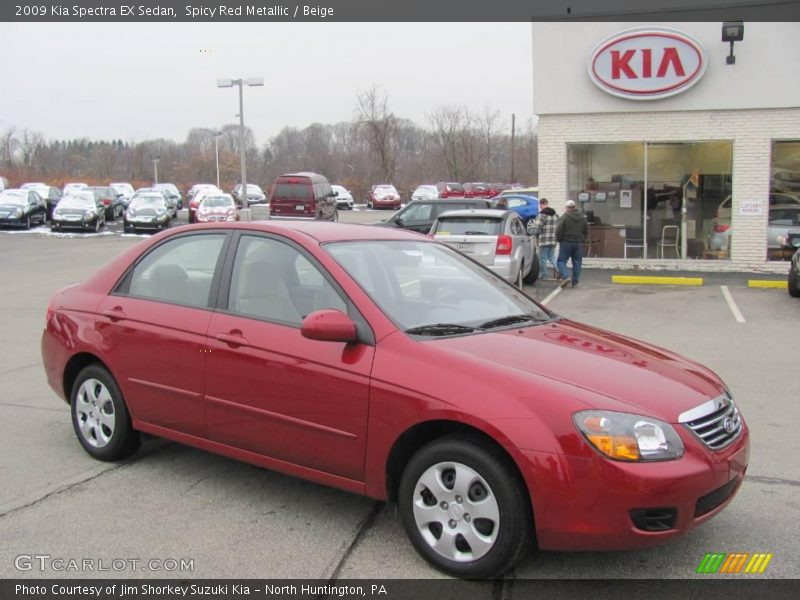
[(509, 320), (440, 329)]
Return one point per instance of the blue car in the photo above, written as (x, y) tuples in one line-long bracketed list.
[(525, 206)]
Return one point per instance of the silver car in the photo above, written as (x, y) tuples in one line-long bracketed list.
[(494, 238)]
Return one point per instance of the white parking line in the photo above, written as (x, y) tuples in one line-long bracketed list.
[(737, 314), (552, 295)]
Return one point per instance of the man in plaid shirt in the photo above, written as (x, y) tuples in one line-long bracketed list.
[(544, 228)]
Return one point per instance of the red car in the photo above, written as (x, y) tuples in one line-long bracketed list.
[(450, 190), (386, 364), (384, 196), (476, 190)]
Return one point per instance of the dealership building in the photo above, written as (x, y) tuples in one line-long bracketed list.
[(683, 150)]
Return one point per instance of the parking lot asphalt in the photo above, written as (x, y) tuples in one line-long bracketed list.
[(234, 520)]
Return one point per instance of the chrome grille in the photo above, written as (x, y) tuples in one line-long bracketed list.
[(717, 423)]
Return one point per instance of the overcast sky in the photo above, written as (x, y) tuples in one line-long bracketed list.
[(140, 81)]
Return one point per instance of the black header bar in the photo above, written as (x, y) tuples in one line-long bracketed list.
[(395, 10)]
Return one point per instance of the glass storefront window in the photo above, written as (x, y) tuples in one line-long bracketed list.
[(784, 200), (654, 200)]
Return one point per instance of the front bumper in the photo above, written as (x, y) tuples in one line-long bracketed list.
[(70, 224), (149, 225), (586, 504)]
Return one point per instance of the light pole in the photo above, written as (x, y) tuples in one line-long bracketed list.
[(252, 81), (155, 160), (216, 152)]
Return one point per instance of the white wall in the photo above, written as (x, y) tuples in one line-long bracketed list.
[(765, 74)]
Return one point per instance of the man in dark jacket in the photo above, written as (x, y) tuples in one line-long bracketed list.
[(571, 232)]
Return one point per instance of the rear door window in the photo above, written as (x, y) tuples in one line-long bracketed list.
[(293, 191), (468, 226)]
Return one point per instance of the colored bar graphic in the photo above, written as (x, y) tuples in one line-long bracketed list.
[(735, 562)]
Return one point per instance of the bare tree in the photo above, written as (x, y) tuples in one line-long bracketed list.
[(379, 126)]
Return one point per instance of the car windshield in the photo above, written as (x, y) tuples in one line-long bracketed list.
[(216, 201), (253, 189), (468, 226), (122, 187), (148, 201), (431, 189), (77, 201), (429, 289), (385, 189), (12, 197)]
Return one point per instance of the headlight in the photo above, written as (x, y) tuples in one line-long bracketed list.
[(631, 438), (18, 213)]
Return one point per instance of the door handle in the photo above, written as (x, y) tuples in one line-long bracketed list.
[(234, 339), (115, 314)]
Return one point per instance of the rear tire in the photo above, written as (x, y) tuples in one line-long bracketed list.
[(520, 282), (533, 274), (100, 417), (464, 507)]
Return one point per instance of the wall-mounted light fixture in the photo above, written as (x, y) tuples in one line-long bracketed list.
[(732, 31)]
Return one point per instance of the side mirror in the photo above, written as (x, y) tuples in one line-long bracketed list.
[(334, 194), (329, 325), (400, 222)]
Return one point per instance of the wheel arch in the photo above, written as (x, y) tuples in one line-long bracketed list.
[(75, 365), (421, 434)]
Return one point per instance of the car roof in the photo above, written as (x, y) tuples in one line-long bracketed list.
[(314, 177), (479, 212), (321, 231)]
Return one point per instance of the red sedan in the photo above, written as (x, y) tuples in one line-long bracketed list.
[(384, 363)]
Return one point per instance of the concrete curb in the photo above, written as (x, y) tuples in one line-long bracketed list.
[(768, 283)]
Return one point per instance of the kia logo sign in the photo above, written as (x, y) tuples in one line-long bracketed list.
[(647, 63)]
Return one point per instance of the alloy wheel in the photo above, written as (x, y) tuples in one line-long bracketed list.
[(456, 512), (95, 413)]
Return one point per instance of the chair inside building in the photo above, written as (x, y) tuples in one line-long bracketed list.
[(670, 238), (634, 239)]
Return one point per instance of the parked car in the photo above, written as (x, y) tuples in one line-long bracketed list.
[(495, 189), (172, 190), (419, 215), (147, 211), (476, 190), (22, 208), (399, 369), (425, 192), (384, 195), (255, 195), (196, 194), (526, 207), (524, 191), (49, 193), (169, 198), (216, 207), (74, 187), (123, 189), (83, 210), (495, 238), (450, 189), (111, 199), (344, 199), (198, 187), (302, 195), (784, 220)]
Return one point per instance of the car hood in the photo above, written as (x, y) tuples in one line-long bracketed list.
[(627, 375)]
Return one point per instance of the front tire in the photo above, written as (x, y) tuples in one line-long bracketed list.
[(100, 417), (520, 282), (464, 507)]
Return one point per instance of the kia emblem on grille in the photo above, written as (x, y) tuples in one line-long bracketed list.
[(728, 425)]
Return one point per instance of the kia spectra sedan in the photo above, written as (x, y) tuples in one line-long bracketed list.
[(519, 428)]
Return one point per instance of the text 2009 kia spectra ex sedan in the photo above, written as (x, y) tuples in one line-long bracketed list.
[(387, 364)]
